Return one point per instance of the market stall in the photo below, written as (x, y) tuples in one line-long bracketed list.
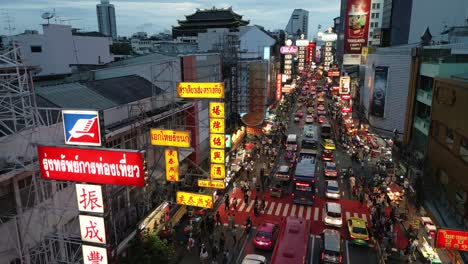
[(428, 252)]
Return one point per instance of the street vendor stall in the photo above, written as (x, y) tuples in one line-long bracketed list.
[(428, 252), (395, 193)]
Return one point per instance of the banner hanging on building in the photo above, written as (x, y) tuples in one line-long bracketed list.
[(170, 138), (379, 90), (172, 165), (106, 166), (345, 82), (356, 26), (194, 199)]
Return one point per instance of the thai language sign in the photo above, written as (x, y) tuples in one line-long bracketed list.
[(106, 166), (200, 90), (194, 199), (216, 110), (217, 156), (170, 138), (211, 184), (89, 198), (172, 165), (217, 171), (452, 239)]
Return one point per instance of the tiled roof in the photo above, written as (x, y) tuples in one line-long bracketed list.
[(214, 14)]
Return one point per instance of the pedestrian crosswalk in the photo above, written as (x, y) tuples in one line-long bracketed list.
[(281, 209)]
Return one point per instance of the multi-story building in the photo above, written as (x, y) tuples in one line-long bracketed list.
[(298, 24), (106, 19), (60, 47), (375, 22), (145, 46)]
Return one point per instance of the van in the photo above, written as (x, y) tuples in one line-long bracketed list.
[(331, 246), (291, 142)]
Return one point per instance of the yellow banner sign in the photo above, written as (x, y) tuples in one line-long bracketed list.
[(217, 141), (200, 90), (217, 156), (211, 184), (217, 125), (194, 199), (218, 171), (170, 138), (172, 165), (216, 110)]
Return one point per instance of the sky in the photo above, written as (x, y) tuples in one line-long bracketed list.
[(157, 16)]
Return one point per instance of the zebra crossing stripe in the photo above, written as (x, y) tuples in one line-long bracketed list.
[(316, 213), (308, 213), (239, 201), (348, 215), (266, 206), (293, 210), (272, 205), (364, 217), (355, 215), (278, 209), (285, 211), (301, 209), (250, 206), (241, 207)]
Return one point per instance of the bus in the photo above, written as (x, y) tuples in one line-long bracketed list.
[(293, 242), (326, 130), (304, 182)]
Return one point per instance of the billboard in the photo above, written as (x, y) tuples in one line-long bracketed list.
[(356, 26), (345, 82), (288, 50), (452, 239), (105, 166), (194, 199), (81, 127), (200, 90), (278, 87), (170, 138), (171, 157), (379, 90), (211, 184)]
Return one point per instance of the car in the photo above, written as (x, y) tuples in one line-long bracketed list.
[(358, 232), (283, 173), (320, 99), (327, 155), (328, 144), (331, 246), (310, 110), (320, 107), (321, 112), (330, 169), (296, 119), (300, 114), (254, 259), (332, 190), (332, 214), (265, 236), (322, 118), (309, 119)]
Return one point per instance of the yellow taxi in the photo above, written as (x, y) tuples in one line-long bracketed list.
[(328, 144), (358, 231)]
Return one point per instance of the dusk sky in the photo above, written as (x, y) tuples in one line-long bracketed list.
[(156, 16)]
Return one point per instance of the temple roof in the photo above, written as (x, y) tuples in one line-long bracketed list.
[(214, 14)]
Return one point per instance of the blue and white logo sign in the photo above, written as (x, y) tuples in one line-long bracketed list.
[(81, 127)]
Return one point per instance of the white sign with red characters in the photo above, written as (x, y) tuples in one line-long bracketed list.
[(89, 198), (92, 229), (94, 255)]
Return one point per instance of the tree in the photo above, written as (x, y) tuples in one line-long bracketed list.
[(150, 249), (121, 48)]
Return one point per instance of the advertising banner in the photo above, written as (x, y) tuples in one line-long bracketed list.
[(194, 199), (89, 197), (200, 90), (217, 156), (106, 166), (310, 52), (345, 82), (81, 127), (288, 50), (170, 138), (218, 171), (217, 141), (379, 90), (217, 125), (228, 140), (278, 87), (356, 26), (94, 255), (452, 239), (92, 229), (211, 184), (216, 110), (172, 165)]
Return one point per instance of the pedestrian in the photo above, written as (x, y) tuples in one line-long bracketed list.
[(234, 238), (190, 243), (226, 257), (203, 254), (361, 198), (234, 205), (232, 222), (263, 205), (246, 198), (218, 219), (214, 254), (256, 212), (226, 203)]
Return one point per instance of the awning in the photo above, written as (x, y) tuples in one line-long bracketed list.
[(253, 119)]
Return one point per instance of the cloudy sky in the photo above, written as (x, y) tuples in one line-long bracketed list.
[(156, 16)]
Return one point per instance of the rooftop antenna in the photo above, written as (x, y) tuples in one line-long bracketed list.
[(48, 15), (8, 20)]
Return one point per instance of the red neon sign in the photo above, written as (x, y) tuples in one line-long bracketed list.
[(346, 110), (345, 97), (288, 50), (104, 166), (278, 87), (335, 88), (452, 239)]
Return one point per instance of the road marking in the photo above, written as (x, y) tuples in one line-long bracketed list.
[(293, 210), (230, 201), (343, 193), (311, 260), (308, 213), (316, 213), (347, 253), (285, 211), (278, 208), (301, 209), (272, 205), (364, 217), (356, 215), (250, 206), (241, 207), (348, 215), (239, 201)]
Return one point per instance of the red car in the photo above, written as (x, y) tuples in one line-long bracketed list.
[(322, 119), (300, 114), (327, 155), (330, 169), (265, 236)]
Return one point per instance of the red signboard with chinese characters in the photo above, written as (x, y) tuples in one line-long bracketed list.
[(310, 52), (106, 166), (356, 25), (278, 87), (452, 239)]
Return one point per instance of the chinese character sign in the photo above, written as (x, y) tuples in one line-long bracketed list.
[(89, 198), (217, 156), (216, 125), (194, 199), (217, 141), (217, 171), (92, 229), (172, 165), (452, 239), (94, 255), (216, 110)]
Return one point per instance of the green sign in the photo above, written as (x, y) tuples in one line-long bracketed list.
[(228, 139)]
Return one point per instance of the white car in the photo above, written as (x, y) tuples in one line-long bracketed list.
[(332, 190), (309, 119), (254, 259), (332, 214), (296, 119)]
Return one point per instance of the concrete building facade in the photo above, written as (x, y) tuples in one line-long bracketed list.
[(106, 19), (299, 21)]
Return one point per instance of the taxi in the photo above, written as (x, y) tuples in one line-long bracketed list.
[(358, 231), (330, 169), (266, 236), (328, 144)]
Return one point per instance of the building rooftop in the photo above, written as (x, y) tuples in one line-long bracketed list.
[(150, 58), (89, 34), (214, 14)]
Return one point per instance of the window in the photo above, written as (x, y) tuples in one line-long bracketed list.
[(36, 49), (376, 24), (377, 15), (377, 6), (464, 149), (373, 6), (371, 24), (449, 137)]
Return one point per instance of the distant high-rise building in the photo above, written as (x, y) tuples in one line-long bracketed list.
[(299, 21), (106, 19)]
